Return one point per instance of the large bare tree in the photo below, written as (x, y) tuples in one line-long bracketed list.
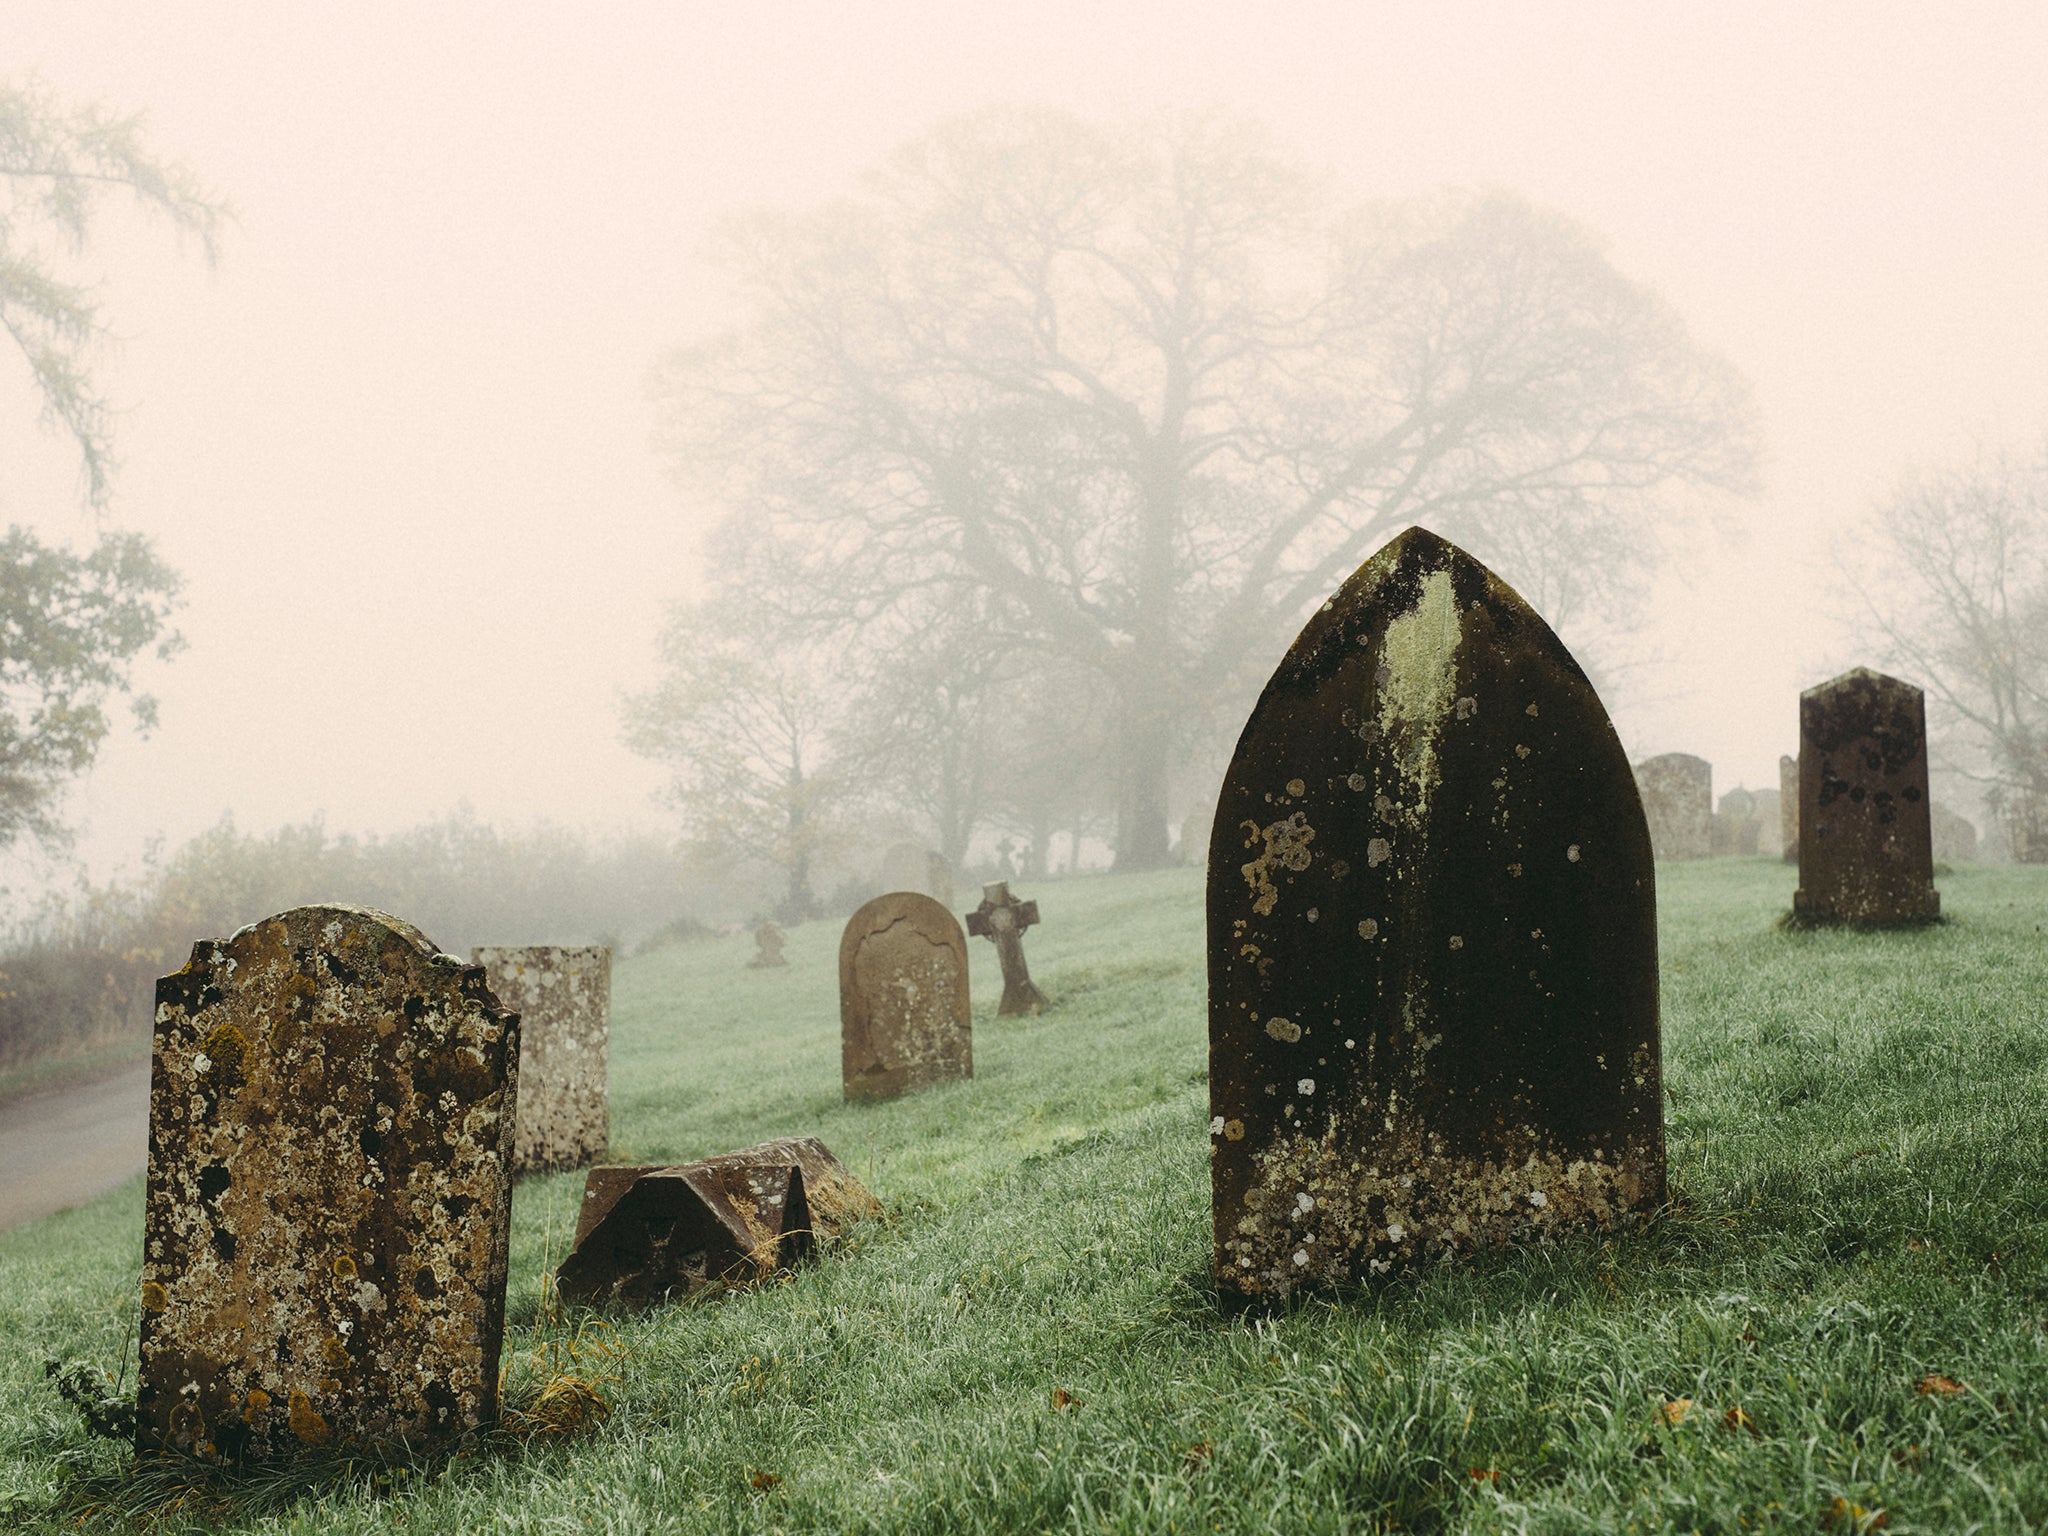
[(1952, 573), (1145, 390)]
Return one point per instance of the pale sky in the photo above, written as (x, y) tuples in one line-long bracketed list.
[(398, 442)]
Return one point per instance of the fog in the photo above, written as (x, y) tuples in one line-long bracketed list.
[(399, 441)]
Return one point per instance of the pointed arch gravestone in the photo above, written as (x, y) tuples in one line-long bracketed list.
[(332, 1104), (563, 996), (903, 1004), (1432, 942), (1866, 851)]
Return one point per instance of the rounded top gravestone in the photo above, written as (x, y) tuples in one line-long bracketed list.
[(903, 1002), (1432, 941)]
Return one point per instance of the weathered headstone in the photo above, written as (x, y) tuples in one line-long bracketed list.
[(1788, 808), (1954, 838), (1432, 942), (1002, 918), (649, 1232), (1770, 823), (1865, 846), (1735, 829), (768, 942), (332, 1105), (903, 1004), (1677, 794), (563, 997)]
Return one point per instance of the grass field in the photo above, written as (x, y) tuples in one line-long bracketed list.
[(1860, 1225)]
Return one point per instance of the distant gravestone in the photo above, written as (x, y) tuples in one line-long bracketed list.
[(903, 1003), (1735, 830), (563, 997), (1678, 799), (1432, 942), (329, 1199), (1954, 839), (1865, 846), (1770, 827), (1002, 919), (768, 942), (1788, 809)]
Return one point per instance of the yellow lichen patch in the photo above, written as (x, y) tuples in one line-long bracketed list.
[(344, 1267), (227, 1049), (1417, 680), (1286, 845), (257, 1401), (154, 1297), (334, 1352), (305, 1420)]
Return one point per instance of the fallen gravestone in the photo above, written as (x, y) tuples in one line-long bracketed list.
[(1432, 942), (1865, 844), (1678, 800), (564, 1001), (903, 1005), (646, 1233), (768, 942), (329, 1197), (1002, 919), (1788, 809)]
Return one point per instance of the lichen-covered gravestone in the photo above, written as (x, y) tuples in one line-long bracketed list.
[(330, 1133), (563, 997), (1678, 799), (903, 1006), (1788, 808), (1866, 852), (1432, 942)]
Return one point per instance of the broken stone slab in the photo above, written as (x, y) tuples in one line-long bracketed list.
[(1866, 850), (325, 1232), (646, 1233), (1433, 1010), (904, 1015), (1677, 791), (563, 996), (1002, 919)]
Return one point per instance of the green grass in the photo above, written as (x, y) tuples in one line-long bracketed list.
[(1862, 1183)]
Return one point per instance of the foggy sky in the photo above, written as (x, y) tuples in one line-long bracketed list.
[(398, 441)]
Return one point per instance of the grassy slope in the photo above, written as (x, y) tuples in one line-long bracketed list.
[(1855, 1137)]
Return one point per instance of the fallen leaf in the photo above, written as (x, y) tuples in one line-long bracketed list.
[(1195, 1457), (1854, 1518), (1062, 1398), (1735, 1418), (1484, 1475), (1674, 1412), (763, 1481), (1932, 1385)]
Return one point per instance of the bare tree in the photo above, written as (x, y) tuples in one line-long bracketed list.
[(741, 723), (1141, 390), (1952, 574)]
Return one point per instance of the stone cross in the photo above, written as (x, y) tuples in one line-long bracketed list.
[(1002, 918), (563, 997), (1432, 942), (1678, 798), (903, 1004), (325, 1231), (1866, 853), (768, 942)]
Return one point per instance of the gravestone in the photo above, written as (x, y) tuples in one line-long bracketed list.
[(1678, 799), (1770, 828), (1953, 837), (649, 1232), (1432, 942), (1865, 845), (1002, 918), (1735, 824), (1788, 808), (563, 997), (332, 1110), (768, 942), (903, 1009)]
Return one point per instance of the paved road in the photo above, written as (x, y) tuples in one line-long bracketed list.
[(64, 1147)]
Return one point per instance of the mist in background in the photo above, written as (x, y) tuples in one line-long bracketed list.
[(400, 444)]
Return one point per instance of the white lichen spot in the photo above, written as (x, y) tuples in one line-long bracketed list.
[(1417, 671), (1530, 711), (1297, 787), (1350, 1045), (1396, 1232), (1305, 1087), (1215, 1129), (1538, 1199), (1457, 941), (1356, 781), (1304, 1203), (1572, 853), (202, 1063), (1313, 914), (1377, 852), (1520, 750), (1300, 1258), (1467, 708), (1369, 928)]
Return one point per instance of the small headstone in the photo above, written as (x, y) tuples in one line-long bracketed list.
[(563, 997), (1735, 829), (903, 1004), (646, 1233), (1865, 846), (1788, 808), (1432, 942), (1955, 839), (768, 942), (1678, 799), (329, 1202), (1770, 829), (1002, 918)]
